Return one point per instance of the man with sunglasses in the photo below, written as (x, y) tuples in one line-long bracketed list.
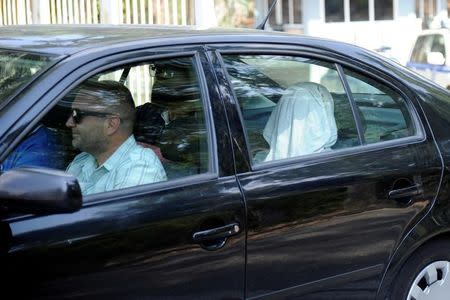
[(102, 119)]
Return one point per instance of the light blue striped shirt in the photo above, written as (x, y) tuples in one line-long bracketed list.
[(130, 165)]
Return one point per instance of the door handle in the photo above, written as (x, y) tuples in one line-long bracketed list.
[(405, 193), (216, 233)]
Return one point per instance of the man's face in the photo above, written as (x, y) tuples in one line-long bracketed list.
[(87, 122)]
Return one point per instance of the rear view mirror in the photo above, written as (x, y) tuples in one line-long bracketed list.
[(39, 191), (435, 58)]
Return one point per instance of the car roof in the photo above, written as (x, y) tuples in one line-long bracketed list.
[(69, 39)]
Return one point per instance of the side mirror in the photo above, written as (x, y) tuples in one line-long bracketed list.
[(39, 191), (435, 58)]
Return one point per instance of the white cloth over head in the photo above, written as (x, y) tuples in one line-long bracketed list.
[(302, 122)]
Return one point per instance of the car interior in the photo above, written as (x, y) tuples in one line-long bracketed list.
[(381, 112), (180, 141)]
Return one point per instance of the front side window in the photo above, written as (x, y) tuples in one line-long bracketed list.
[(17, 69), (132, 125), (291, 106)]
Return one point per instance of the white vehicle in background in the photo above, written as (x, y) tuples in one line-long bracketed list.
[(430, 54)]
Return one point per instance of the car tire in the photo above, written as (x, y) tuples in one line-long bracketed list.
[(426, 274)]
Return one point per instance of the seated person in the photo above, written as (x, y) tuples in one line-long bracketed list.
[(39, 149), (149, 126), (102, 121)]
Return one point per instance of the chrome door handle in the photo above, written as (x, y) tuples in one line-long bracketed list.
[(216, 233), (407, 192)]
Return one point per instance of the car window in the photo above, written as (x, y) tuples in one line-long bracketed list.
[(423, 46), (291, 106), (17, 68), (132, 125), (438, 44), (383, 111)]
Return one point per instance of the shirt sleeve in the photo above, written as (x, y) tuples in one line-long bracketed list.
[(37, 150)]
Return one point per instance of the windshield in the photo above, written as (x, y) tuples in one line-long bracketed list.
[(18, 68)]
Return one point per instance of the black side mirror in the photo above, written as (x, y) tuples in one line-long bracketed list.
[(39, 191)]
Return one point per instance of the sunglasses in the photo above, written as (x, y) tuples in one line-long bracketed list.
[(78, 115)]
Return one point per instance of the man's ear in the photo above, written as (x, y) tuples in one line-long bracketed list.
[(112, 125)]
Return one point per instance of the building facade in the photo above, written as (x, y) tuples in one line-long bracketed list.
[(387, 26)]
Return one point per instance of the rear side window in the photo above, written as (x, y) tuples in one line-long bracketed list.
[(383, 112), (291, 106), (295, 106)]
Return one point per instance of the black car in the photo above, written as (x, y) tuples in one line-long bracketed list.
[(290, 168)]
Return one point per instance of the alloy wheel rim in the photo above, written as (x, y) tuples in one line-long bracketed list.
[(433, 282)]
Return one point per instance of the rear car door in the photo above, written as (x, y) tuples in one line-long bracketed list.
[(323, 219), (181, 238)]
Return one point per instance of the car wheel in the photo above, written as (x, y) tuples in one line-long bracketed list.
[(426, 274)]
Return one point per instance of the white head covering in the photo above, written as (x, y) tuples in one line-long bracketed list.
[(302, 122)]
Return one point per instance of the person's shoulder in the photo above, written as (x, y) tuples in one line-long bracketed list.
[(81, 157), (139, 153)]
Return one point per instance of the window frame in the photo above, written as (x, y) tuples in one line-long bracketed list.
[(366, 71), (378, 18), (277, 17), (132, 57), (356, 13), (344, 13), (372, 17)]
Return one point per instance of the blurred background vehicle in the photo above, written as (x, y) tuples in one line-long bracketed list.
[(429, 56)]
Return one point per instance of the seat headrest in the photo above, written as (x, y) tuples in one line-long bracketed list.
[(149, 123), (184, 140)]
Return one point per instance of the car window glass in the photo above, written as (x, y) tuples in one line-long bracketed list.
[(438, 44), (18, 68), (422, 48), (384, 114), (291, 106), (133, 125)]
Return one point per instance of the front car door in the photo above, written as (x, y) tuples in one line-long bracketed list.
[(323, 219), (177, 238)]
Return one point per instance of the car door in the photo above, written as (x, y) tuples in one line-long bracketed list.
[(323, 224), (181, 238)]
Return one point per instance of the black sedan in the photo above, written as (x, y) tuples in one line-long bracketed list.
[(177, 163)]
